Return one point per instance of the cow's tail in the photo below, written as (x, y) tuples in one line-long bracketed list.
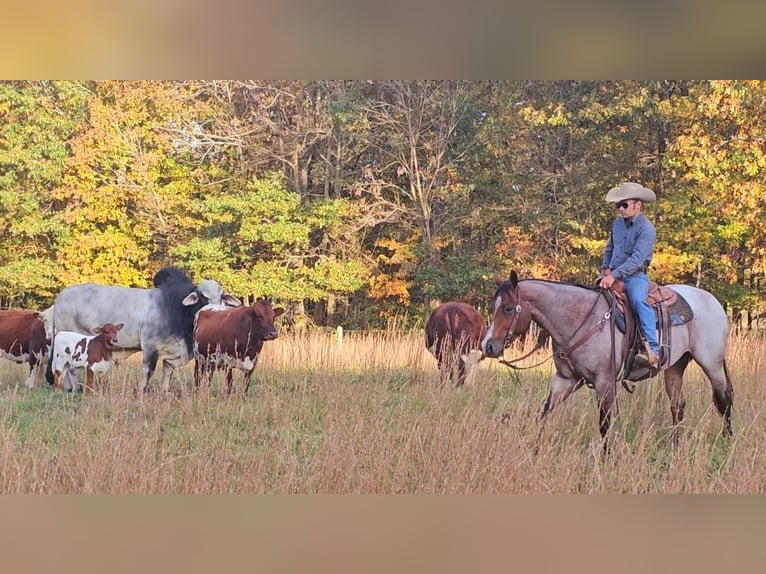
[(49, 366)]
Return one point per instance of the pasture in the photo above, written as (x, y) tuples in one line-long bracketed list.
[(371, 417)]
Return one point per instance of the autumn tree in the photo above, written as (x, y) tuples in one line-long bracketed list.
[(718, 164), (554, 148), (37, 119), (125, 193), (290, 232), (260, 241), (420, 135)]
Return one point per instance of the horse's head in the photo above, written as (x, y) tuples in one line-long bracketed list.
[(510, 317)]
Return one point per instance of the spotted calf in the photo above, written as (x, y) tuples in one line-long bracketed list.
[(74, 351)]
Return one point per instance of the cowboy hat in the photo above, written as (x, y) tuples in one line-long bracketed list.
[(630, 190)]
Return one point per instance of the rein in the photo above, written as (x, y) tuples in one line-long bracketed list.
[(566, 353), (517, 359), (511, 336)]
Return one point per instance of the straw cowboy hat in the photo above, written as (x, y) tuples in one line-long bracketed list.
[(630, 190)]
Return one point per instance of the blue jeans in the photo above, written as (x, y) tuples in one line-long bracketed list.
[(637, 289)]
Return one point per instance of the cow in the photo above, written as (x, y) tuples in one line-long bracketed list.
[(73, 351), (23, 339), (159, 321), (454, 332), (232, 338)]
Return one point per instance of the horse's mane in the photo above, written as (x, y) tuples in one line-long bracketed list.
[(506, 285), (543, 337)]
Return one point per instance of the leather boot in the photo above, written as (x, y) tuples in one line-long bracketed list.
[(647, 359)]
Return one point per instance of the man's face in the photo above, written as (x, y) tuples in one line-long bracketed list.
[(629, 207)]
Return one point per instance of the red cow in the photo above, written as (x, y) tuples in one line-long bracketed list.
[(23, 339), (453, 335), (231, 338)]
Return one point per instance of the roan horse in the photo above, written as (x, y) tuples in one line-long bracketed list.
[(577, 319)]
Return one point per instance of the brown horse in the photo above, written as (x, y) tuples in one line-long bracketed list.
[(586, 349)]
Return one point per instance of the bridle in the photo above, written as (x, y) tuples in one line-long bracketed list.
[(512, 335)]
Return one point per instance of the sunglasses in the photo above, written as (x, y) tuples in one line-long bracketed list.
[(624, 205)]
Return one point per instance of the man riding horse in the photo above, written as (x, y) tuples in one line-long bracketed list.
[(627, 256)]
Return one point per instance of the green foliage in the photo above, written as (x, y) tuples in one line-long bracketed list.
[(37, 119), (260, 240), (454, 278)]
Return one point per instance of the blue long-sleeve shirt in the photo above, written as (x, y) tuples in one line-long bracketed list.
[(630, 246)]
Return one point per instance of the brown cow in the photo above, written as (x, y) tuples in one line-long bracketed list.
[(453, 335), (23, 339), (231, 338)]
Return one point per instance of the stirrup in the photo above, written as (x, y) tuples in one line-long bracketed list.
[(646, 360)]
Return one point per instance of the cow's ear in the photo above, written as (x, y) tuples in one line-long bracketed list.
[(514, 279), (190, 299), (231, 301), (97, 330), (278, 311), (120, 326)]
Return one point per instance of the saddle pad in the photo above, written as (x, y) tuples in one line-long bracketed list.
[(680, 313)]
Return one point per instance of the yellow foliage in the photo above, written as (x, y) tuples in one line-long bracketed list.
[(670, 265), (384, 286), (399, 252), (516, 243)]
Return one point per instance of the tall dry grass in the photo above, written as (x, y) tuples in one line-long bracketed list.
[(370, 416)]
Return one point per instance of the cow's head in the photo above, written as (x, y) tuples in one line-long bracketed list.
[(263, 320), (213, 292), (109, 333), (47, 318)]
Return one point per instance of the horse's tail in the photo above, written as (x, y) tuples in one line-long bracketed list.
[(729, 388)]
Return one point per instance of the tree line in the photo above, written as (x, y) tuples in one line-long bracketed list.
[(355, 202)]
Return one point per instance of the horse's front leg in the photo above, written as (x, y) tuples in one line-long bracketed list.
[(561, 387)]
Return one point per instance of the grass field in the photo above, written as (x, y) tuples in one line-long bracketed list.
[(371, 417)]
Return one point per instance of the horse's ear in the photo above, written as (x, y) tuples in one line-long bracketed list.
[(514, 279), (498, 281)]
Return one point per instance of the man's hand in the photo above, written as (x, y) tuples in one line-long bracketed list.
[(607, 281)]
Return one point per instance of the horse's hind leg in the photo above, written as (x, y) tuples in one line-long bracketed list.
[(723, 392), (674, 380)]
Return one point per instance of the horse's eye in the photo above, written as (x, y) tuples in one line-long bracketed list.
[(508, 310)]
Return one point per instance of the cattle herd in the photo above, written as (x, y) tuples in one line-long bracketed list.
[(90, 326)]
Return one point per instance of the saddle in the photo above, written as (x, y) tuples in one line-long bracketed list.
[(670, 309)]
